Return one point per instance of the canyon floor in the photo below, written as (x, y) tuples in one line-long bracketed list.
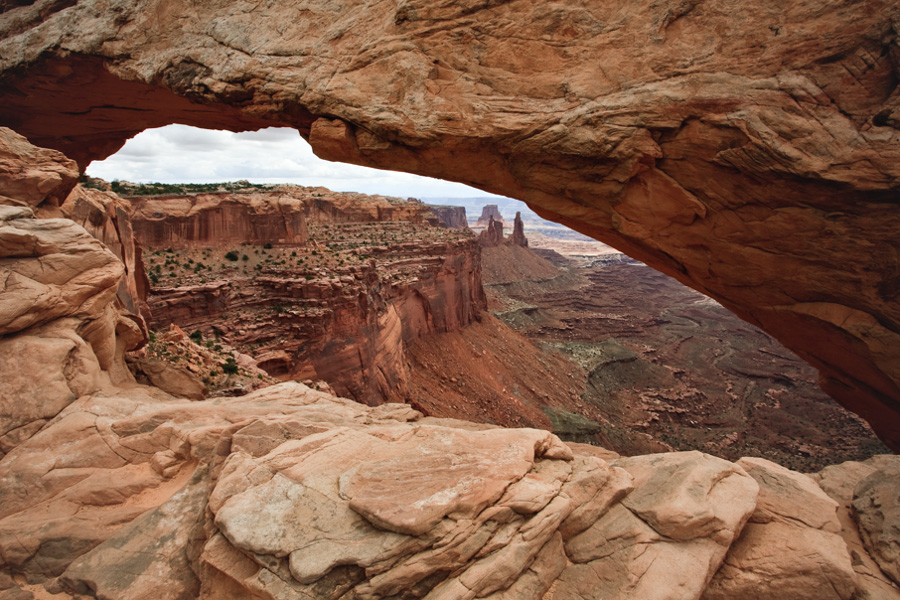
[(666, 365)]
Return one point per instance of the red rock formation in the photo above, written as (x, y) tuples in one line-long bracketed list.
[(129, 493), (33, 177), (324, 312), (219, 219), (292, 493), (106, 217), (62, 332), (492, 234), (489, 213), (750, 151), (517, 237), (453, 217)]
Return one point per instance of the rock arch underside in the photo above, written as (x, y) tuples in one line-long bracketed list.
[(749, 151)]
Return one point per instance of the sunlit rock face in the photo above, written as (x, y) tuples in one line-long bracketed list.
[(65, 321), (750, 151), (288, 492)]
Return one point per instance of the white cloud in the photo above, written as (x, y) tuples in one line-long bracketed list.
[(182, 154)]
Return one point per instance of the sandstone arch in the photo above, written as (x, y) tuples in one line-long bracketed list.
[(750, 151)]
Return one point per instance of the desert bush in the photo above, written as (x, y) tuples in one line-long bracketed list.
[(230, 367)]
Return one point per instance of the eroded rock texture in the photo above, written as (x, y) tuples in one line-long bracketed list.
[(206, 220), (341, 303), (293, 493), (63, 328), (750, 151), (114, 490), (453, 217)]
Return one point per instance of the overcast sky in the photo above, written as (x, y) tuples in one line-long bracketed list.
[(182, 154)]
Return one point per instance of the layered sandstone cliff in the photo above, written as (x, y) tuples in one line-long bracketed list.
[(368, 278), (212, 219), (750, 151), (453, 217), (489, 213)]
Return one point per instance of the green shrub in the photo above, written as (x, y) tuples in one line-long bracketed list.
[(230, 367), (232, 256), (197, 336)]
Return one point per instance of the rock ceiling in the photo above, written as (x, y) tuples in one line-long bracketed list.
[(750, 150)]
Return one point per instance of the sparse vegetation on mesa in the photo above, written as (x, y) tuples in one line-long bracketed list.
[(333, 250), (209, 357), (128, 189)]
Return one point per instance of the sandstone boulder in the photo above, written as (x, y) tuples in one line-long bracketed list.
[(172, 379), (52, 268), (60, 334), (31, 176), (791, 547), (839, 482), (876, 504), (666, 538), (42, 372), (106, 217)]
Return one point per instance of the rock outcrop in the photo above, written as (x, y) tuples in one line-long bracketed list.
[(115, 490), (492, 235), (288, 492), (205, 220), (453, 217), (876, 504), (62, 332), (107, 217), (490, 212), (517, 237), (751, 152)]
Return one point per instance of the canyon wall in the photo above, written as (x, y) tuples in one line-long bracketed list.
[(750, 151), (453, 217), (219, 219), (341, 304)]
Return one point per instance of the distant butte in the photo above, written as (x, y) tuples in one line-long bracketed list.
[(488, 213)]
